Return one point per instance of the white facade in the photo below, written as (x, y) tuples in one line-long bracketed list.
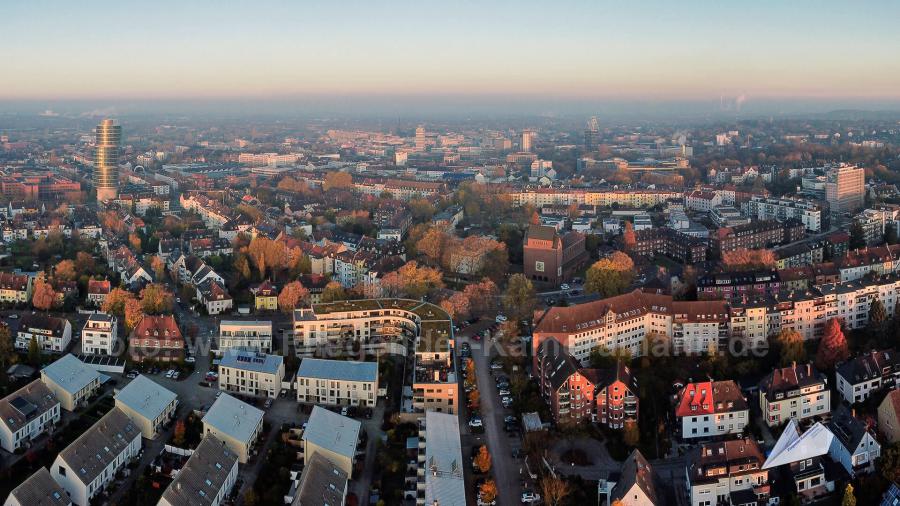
[(48, 339), (251, 373), (28, 413), (251, 335), (99, 335)]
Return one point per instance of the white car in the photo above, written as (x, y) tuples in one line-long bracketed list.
[(563, 286), (503, 392), (170, 373), (529, 497), (475, 422), (496, 366), (13, 316), (500, 318), (190, 360)]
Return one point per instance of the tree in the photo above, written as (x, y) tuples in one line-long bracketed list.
[(610, 276), (84, 262), (488, 492), (155, 299), (337, 179), (179, 434), (483, 459), (790, 346), (412, 281), (65, 270), (496, 264), (877, 317), (267, 254), (857, 236), (433, 245), (158, 265), (849, 498), (554, 490), (474, 399), (631, 434), (482, 297), (519, 298), (134, 312), (8, 354), (134, 241), (242, 266), (457, 306), (291, 296), (629, 237), (889, 463), (333, 292), (114, 303), (34, 352), (833, 346), (44, 296), (748, 259)]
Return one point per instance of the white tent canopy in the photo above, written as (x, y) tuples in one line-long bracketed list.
[(794, 447)]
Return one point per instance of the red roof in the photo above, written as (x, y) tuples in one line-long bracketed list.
[(708, 397), (99, 286)]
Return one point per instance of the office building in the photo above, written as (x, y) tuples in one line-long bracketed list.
[(106, 160), (845, 188)]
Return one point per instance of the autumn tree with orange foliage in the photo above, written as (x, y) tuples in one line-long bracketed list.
[(483, 459), (115, 301), (134, 241), (134, 312), (628, 236), (457, 306), (411, 281), (482, 297), (748, 259), (610, 276), (488, 492), (833, 347), (155, 299), (333, 292), (44, 296), (474, 399), (267, 254), (84, 262), (337, 179), (434, 244), (292, 295), (65, 270), (158, 266)]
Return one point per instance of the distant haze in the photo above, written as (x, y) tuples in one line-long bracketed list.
[(642, 57)]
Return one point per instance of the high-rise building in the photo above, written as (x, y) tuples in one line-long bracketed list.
[(420, 138), (106, 160), (527, 139), (592, 135), (845, 188)]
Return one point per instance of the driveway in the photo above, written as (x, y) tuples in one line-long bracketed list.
[(506, 470)]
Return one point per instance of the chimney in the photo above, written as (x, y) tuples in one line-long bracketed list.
[(809, 369)]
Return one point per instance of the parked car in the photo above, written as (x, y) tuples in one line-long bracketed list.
[(564, 286), (506, 401), (268, 403), (529, 496), (500, 318), (503, 386), (190, 359), (14, 316), (475, 422), (345, 411), (170, 373), (503, 392), (176, 375)]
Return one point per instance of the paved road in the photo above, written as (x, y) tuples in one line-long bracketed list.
[(505, 468)]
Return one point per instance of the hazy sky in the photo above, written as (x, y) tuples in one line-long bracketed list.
[(627, 49)]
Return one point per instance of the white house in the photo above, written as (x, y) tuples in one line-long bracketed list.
[(27, 413), (100, 334), (52, 334), (206, 478), (91, 462), (39, 489), (853, 446), (711, 408), (864, 375), (249, 335)]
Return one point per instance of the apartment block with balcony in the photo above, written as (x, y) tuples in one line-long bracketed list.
[(797, 392), (711, 409)]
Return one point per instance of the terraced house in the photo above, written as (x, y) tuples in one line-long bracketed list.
[(15, 288)]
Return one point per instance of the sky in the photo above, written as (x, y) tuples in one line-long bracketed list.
[(629, 50)]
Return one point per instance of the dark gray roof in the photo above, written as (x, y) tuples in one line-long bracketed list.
[(870, 366), (321, 484), (26, 404), (40, 490), (635, 471), (97, 447), (203, 475), (849, 430)]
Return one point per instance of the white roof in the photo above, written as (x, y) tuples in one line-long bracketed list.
[(794, 447), (330, 430), (234, 418), (444, 483), (146, 397), (70, 373)]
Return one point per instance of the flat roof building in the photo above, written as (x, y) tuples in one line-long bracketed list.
[(443, 464), (251, 372), (337, 382)]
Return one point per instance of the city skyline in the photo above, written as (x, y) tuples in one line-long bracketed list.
[(577, 51)]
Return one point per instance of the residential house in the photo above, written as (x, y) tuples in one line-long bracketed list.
[(247, 335), (206, 478), (149, 405), (332, 436), (97, 291), (156, 338), (337, 382), (16, 288), (52, 334), (100, 334), (889, 416), (39, 489), (637, 484), (236, 423), (214, 297), (26, 414), (266, 296), (251, 373), (710, 409), (862, 376), (71, 381), (728, 472), (798, 392)]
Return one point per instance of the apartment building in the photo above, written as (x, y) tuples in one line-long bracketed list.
[(728, 472), (756, 235), (541, 197), (71, 382), (100, 334), (251, 373), (699, 328), (15, 288), (337, 382), (566, 387), (88, 465), (440, 462), (668, 242), (26, 414), (862, 376), (156, 338), (149, 405), (711, 409), (796, 392), (332, 436), (248, 335), (616, 396), (782, 209), (845, 188), (265, 296)]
